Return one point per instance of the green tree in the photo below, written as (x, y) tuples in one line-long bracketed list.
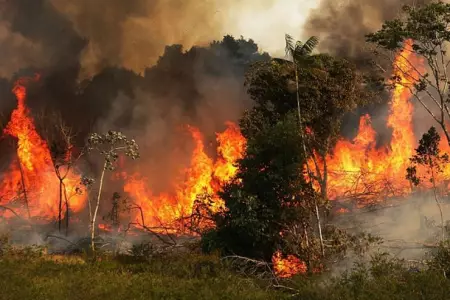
[(297, 54), (268, 195), (321, 88), (109, 145), (328, 89), (270, 205), (425, 32)]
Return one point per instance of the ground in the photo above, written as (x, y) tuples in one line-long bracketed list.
[(27, 276)]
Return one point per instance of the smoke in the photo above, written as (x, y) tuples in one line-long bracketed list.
[(342, 25), (410, 229)]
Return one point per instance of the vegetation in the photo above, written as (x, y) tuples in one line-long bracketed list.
[(277, 203), (109, 145), (423, 31), (27, 274), (272, 200)]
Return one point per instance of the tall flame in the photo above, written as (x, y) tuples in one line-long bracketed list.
[(33, 175), (359, 169), (203, 176)]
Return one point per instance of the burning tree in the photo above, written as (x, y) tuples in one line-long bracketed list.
[(109, 145), (61, 138), (34, 168), (425, 32)]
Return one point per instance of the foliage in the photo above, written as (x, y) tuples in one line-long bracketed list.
[(329, 88), (424, 31), (109, 145), (428, 155), (441, 258), (268, 195)]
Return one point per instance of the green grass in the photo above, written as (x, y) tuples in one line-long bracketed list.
[(28, 275), (25, 277)]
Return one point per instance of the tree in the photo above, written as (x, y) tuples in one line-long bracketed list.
[(428, 156), (297, 53), (60, 138), (270, 205), (109, 145), (268, 195), (326, 89), (423, 31)]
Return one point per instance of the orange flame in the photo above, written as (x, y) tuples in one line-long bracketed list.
[(33, 175), (287, 267), (357, 167), (203, 176)]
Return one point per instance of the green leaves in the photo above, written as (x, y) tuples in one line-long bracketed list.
[(268, 195), (427, 25)]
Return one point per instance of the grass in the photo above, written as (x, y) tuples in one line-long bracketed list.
[(29, 274), (174, 277)]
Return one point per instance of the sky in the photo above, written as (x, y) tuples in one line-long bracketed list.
[(267, 21)]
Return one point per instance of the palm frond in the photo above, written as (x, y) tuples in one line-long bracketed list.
[(290, 46), (307, 47)]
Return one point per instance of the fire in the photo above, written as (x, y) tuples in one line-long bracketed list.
[(231, 148), (202, 177), (360, 169), (287, 267), (31, 181)]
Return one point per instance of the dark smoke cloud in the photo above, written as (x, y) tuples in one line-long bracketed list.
[(342, 25), (133, 33), (39, 23), (176, 85)]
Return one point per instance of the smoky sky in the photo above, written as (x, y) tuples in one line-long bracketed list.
[(342, 25), (85, 54)]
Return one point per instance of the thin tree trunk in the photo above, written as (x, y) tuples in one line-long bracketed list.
[(60, 204), (94, 217), (447, 135), (437, 202), (24, 187), (319, 226), (66, 199)]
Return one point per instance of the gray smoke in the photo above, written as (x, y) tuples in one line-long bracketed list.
[(342, 25)]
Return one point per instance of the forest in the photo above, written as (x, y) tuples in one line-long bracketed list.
[(224, 172)]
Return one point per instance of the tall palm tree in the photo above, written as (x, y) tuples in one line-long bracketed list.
[(297, 53)]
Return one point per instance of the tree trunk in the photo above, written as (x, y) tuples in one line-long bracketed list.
[(94, 216), (437, 201), (447, 135), (67, 210), (60, 204), (319, 226), (24, 187)]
